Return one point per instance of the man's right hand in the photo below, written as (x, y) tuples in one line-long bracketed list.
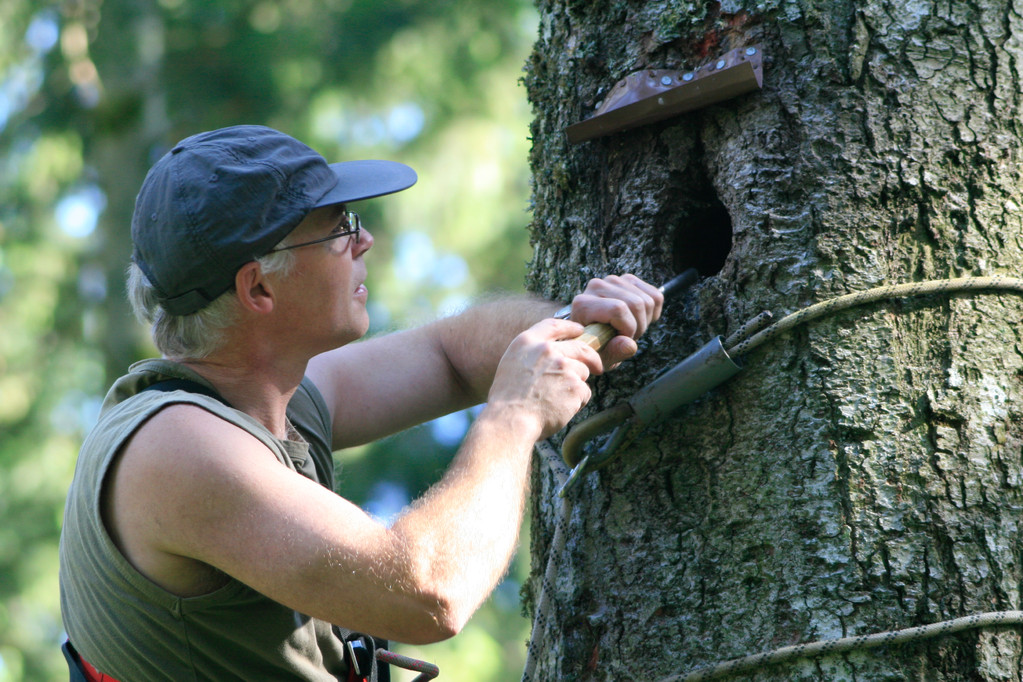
[(543, 375)]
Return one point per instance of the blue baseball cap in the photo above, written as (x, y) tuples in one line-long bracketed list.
[(221, 199)]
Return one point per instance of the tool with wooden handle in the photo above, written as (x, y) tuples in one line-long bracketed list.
[(597, 335)]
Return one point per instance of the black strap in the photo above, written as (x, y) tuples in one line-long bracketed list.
[(360, 654), (185, 385), (74, 662)]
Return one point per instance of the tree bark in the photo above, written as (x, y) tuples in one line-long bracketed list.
[(130, 132), (862, 473)]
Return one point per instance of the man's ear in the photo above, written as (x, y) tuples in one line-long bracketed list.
[(254, 291)]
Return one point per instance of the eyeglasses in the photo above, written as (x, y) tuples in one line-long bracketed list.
[(349, 225)]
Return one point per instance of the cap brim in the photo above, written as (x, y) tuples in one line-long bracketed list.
[(359, 180)]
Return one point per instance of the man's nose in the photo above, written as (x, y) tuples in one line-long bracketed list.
[(365, 242)]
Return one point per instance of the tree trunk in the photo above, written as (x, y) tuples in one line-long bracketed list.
[(863, 472), (131, 125)]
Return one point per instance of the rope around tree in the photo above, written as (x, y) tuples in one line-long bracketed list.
[(738, 344)]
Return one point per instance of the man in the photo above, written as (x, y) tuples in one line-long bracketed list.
[(202, 539)]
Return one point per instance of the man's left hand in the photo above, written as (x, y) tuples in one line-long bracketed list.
[(625, 302)]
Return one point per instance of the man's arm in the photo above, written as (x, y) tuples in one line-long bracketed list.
[(389, 383), (192, 491)]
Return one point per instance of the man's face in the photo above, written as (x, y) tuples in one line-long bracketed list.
[(325, 293)]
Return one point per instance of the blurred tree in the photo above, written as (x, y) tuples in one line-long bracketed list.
[(91, 93)]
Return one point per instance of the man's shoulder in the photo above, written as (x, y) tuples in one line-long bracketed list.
[(179, 465), (190, 429)]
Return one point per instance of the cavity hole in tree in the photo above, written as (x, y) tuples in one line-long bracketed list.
[(703, 238)]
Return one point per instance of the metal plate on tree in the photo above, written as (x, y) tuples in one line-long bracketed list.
[(655, 94)]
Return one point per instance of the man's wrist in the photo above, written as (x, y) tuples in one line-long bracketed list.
[(513, 422)]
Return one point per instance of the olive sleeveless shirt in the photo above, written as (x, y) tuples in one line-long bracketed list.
[(127, 626)]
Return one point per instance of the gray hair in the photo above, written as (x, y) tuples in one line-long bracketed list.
[(198, 334)]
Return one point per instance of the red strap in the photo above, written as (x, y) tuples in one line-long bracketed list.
[(93, 675)]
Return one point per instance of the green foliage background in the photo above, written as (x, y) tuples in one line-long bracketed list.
[(93, 91)]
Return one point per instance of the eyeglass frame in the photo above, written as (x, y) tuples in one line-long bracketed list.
[(351, 217)]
